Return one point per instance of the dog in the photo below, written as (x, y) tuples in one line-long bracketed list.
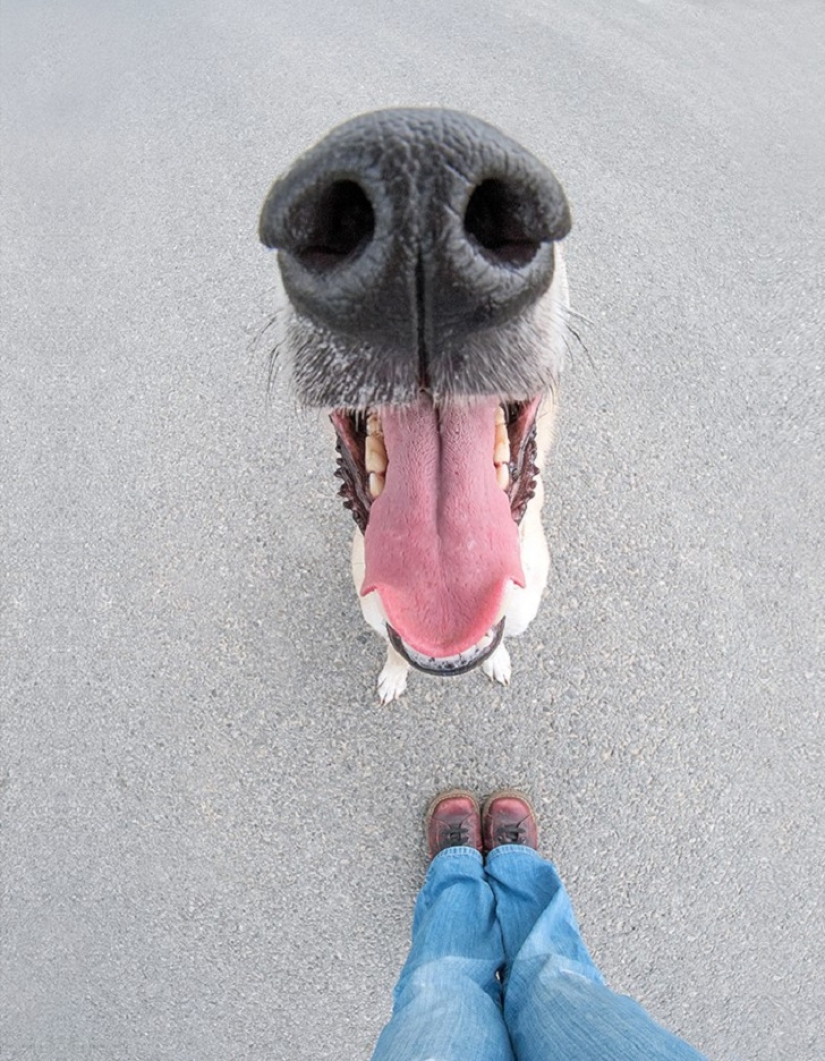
[(427, 306)]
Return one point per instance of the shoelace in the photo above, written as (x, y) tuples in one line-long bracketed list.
[(512, 833), (454, 833)]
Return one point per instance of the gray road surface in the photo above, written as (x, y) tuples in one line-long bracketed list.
[(210, 838)]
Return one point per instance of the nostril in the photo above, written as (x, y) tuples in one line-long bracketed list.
[(501, 219), (334, 225)]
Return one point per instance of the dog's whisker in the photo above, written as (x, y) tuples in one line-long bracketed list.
[(260, 333), (565, 330), (575, 313), (274, 364)]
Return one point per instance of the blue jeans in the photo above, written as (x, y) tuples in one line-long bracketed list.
[(498, 971)]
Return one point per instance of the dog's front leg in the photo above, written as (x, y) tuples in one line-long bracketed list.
[(523, 602), (392, 681), (497, 667)]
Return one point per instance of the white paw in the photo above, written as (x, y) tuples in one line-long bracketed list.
[(497, 667), (392, 681)]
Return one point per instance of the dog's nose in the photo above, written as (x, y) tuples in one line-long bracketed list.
[(408, 233)]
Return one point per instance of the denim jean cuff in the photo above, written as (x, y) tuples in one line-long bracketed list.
[(505, 851), (457, 852)]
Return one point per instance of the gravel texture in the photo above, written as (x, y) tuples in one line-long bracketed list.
[(211, 833)]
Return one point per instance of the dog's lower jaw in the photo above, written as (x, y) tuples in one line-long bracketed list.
[(521, 605)]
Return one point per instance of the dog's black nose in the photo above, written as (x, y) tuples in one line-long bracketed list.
[(408, 239)]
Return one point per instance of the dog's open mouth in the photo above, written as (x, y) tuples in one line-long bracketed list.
[(438, 492)]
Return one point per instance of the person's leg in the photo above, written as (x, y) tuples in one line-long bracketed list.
[(556, 1005), (447, 1003), (535, 914)]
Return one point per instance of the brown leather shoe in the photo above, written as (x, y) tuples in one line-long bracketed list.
[(453, 820), (508, 818)]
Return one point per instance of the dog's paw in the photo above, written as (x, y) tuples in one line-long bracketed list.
[(497, 667), (392, 681)]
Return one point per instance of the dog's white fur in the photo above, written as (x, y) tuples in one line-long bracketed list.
[(521, 604)]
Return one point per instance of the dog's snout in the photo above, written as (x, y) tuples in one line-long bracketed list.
[(403, 237)]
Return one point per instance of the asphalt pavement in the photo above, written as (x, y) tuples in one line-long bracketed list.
[(210, 831)]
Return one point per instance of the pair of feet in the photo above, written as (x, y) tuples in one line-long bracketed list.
[(454, 819)]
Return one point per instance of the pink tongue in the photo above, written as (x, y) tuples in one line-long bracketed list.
[(441, 543)]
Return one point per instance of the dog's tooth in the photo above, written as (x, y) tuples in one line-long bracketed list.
[(501, 453), (375, 454), (376, 484), (500, 416), (374, 424), (503, 476)]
